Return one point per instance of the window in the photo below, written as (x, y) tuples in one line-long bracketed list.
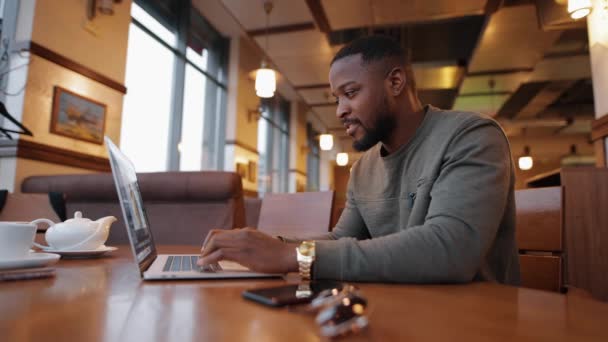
[(312, 160), (173, 115), (273, 145), (147, 105)]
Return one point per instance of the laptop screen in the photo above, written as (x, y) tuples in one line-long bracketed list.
[(134, 213)]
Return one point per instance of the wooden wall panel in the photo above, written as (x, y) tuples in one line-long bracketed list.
[(539, 219), (541, 272), (586, 229)]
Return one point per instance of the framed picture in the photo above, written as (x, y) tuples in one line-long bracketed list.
[(77, 117), (241, 170), (253, 171)]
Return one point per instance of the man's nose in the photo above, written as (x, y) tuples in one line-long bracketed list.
[(342, 110)]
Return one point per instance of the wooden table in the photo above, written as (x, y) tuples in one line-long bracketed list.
[(105, 300)]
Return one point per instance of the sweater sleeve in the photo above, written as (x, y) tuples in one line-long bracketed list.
[(468, 199)]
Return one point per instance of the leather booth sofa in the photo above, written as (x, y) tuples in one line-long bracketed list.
[(181, 206)]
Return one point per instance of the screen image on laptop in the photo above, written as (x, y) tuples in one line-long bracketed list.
[(129, 196)]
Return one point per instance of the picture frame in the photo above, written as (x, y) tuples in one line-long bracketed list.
[(241, 170), (252, 171), (78, 117)]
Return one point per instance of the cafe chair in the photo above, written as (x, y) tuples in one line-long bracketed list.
[(28, 207), (296, 214), (182, 207)]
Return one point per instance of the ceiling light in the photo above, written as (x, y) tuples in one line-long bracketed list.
[(326, 142), (579, 8), (265, 78), (342, 158), (525, 162), (265, 82)]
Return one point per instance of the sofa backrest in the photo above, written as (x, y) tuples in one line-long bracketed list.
[(252, 211), (181, 206)]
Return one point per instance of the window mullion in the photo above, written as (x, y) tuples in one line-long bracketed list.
[(179, 78)]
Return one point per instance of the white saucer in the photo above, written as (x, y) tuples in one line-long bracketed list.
[(31, 260), (101, 250)]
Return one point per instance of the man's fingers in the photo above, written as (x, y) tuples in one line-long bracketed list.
[(219, 255), (211, 233), (223, 239)]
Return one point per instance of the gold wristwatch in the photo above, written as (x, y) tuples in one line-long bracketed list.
[(306, 256)]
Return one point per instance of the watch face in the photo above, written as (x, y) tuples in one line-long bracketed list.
[(305, 249)]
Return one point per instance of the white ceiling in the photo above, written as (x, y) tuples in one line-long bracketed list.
[(317, 95), (297, 44), (343, 14), (251, 15), (512, 40)]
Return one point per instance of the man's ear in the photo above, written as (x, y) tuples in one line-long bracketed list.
[(397, 80)]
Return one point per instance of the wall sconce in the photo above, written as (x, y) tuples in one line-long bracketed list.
[(525, 162), (104, 6), (326, 142), (254, 114), (304, 150)]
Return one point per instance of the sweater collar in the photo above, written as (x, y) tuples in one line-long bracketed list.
[(428, 110)]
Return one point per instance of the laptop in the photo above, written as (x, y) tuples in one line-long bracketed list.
[(153, 266)]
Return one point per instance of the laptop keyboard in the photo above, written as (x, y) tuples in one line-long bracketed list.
[(185, 263)]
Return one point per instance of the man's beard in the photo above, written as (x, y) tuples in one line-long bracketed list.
[(382, 127)]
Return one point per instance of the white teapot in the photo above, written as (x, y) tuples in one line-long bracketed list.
[(77, 233)]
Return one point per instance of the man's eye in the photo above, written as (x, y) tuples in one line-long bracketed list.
[(337, 100), (350, 93)]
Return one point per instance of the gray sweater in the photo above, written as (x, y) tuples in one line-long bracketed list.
[(440, 209)]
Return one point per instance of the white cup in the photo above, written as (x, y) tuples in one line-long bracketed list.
[(16, 238)]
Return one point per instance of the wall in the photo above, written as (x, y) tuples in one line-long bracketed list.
[(59, 26), (298, 147), (546, 152), (241, 128), (42, 77)]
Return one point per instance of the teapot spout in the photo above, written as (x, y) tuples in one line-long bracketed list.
[(106, 221)]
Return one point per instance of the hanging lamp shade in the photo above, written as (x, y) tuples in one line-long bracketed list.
[(266, 78), (326, 142), (525, 162), (579, 8), (265, 82), (342, 159)]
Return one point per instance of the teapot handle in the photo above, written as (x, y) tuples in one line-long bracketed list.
[(42, 220)]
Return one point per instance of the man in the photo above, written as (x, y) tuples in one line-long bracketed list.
[(431, 201)]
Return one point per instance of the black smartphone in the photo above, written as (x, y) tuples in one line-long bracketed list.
[(290, 294)]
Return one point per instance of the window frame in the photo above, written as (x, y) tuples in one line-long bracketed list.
[(215, 104), (276, 112)]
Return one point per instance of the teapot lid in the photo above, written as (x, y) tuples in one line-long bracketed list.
[(78, 218)]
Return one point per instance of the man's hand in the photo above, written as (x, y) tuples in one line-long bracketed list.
[(251, 248)]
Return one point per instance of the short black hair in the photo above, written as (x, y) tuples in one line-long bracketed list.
[(372, 48), (376, 48)]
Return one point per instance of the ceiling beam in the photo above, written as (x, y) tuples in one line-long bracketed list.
[(282, 29), (312, 86), (324, 104), (318, 13), (499, 72), (544, 98), (486, 93), (492, 6)]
